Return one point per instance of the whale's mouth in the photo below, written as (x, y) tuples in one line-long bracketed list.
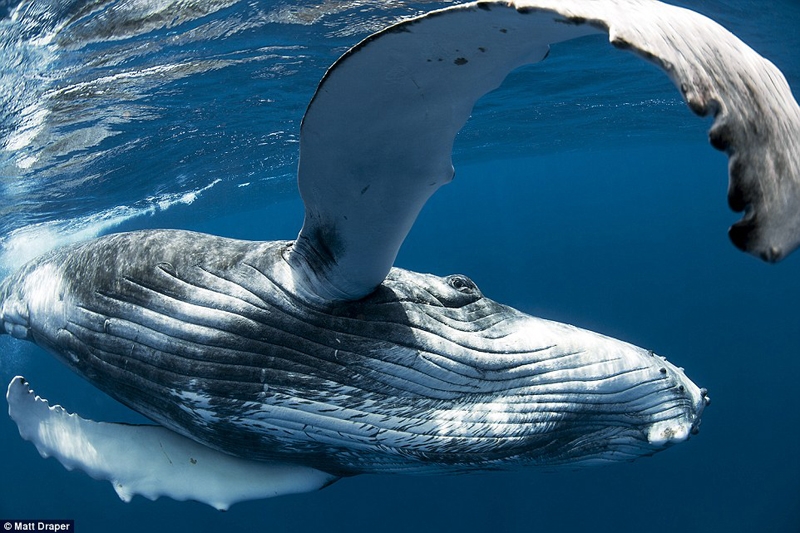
[(678, 429), (659, 408)]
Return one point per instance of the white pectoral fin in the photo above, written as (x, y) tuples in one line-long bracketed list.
[(377, 137), (757, 119), (151, 460)]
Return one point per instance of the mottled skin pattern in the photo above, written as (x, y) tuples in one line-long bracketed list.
[(209, 337)]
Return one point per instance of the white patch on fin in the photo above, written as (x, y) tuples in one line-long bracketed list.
[(151, 460)]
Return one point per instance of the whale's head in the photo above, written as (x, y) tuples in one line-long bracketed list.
[(504, 388)]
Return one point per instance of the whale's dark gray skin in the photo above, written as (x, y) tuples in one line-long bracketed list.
[(316, 358), (207, 337)]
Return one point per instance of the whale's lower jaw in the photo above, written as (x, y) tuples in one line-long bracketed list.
[(207, 337), (353, 432)]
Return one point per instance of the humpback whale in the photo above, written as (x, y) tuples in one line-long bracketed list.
[(279, 367)]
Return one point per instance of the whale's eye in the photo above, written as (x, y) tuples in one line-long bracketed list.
[(462, 283)]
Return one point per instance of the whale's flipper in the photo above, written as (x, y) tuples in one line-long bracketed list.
[(151, 460), (377, 136)]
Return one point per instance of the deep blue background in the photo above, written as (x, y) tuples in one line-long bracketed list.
[(625, 238), (648, 262)]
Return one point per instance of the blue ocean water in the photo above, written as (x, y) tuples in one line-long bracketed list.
[(585, 192)]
